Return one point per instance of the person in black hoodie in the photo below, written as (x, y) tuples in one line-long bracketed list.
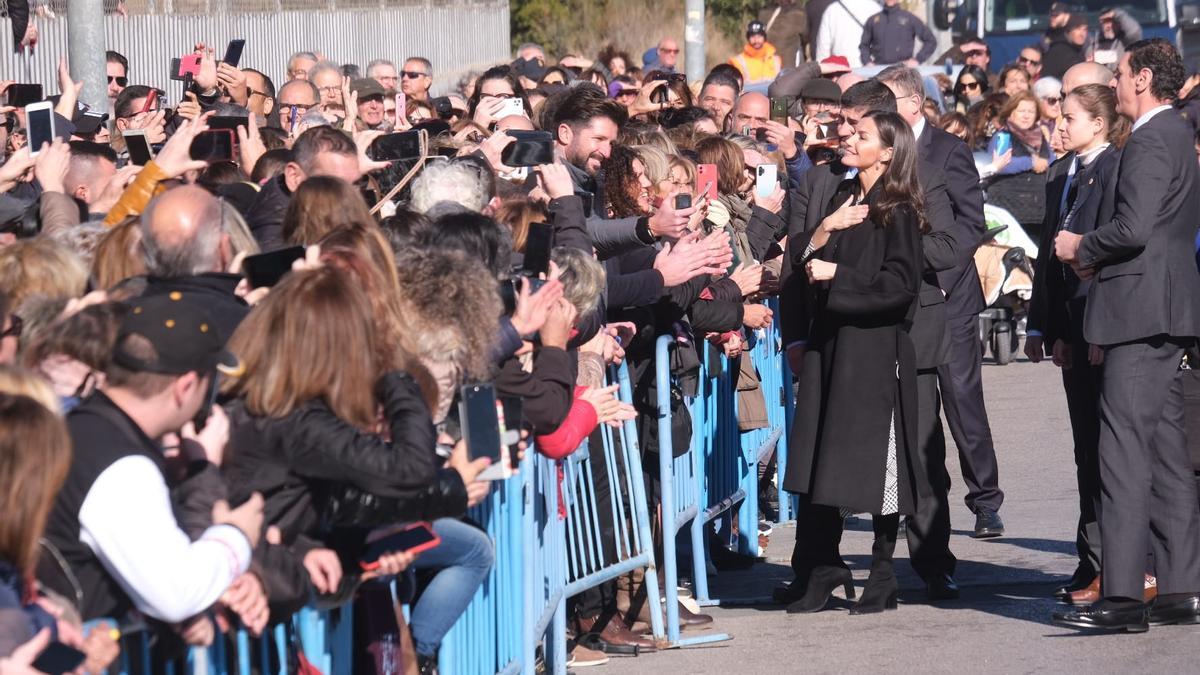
[(1067, 47)]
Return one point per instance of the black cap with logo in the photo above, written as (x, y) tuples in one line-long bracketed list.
[(183, 336)]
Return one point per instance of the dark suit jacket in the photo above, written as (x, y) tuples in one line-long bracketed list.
[(942, 247), (947, 152), (1146, 281), (1055, 284)]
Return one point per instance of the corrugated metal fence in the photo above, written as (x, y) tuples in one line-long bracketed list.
[(456, 35)]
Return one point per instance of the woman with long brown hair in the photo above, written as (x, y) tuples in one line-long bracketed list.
[(320, 205), (1080, 193), (853, 443)]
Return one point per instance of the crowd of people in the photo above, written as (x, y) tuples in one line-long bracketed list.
[(190, 448)]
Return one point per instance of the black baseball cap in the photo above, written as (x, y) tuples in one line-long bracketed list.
[(756, 28), (182, 333), (821, 89)]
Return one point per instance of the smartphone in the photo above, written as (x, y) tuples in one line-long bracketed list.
[(415, 538), (479, 415), (513, 418), (21, 95), (766, 178), (214, 145), (661, 94), (184, 67), (780, 108), (706, 181), (57, 658), (266, 269), (1003, 142), (392, 147), (233, 53), (443, 107), (682, 202), (228, 122), (401, 105), (151, 101), (39, 125), (140, 152), (531, 148), (538, 243), (512, 106)]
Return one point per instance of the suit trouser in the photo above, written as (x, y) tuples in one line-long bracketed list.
[(929, 528), (1148, 493), (961, 382), (1082, 383)]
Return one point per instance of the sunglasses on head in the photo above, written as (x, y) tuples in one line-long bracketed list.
[(121, 81), (413, 74)]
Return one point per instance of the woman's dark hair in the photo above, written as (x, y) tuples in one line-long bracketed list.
[(1163, 61), (982, 114), (273, 138), (621, 185), (475, 234), (899, 186), (403, 228), (678, 117), (505, 73), (954, 119), (566, 74), (595, 77), (270, 165), (1011, 68), (678, 85), (975, 72), (321, 205), (1101, 101), (730, 161), (609, 53), (217, 174)]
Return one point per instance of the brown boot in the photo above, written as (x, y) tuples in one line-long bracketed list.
[(612, 637)]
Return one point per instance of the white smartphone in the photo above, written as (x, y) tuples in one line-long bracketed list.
[(766, 177), (512, 106), (39, 124), (140, 152)]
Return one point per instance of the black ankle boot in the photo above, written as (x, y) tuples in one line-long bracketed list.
[(427, 665), (821, 584), (882, 588)]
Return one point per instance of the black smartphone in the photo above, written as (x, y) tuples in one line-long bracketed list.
[(21, 95), (228, 122), (140, 151), (531, 148), (682, 202), (508, 296), (392, 147), (266, 269), (214, 145), (513, 419), (480, 423), (57, 658), (443, 107), (760, 135), (414, 538), (538, 243), (233, 53)]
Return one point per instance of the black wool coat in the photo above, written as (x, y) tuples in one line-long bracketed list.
[(859, 365)]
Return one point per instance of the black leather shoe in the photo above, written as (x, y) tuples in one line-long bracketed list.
[(1132, 617), (1176, 608), (821, 585), (942, 587), (1082, 578), (988, 524), (786, 594)]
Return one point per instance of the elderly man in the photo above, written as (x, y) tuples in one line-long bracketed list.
[(370, 96), (384, 72), (299, 65), (296, 98), (668, 55), (418, 78), (752, 117)]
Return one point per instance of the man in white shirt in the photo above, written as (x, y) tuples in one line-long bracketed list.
[(842, 28)]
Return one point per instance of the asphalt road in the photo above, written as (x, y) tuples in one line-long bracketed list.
[(1001, 623)]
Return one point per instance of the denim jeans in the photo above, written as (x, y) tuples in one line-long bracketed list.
[(463, 559)]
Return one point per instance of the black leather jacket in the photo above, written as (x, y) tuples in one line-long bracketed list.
[(318, 473)]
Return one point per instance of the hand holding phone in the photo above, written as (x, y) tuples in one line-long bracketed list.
[(233, 53), (413, 539), (479, 416), (707, 178), (39, 125)]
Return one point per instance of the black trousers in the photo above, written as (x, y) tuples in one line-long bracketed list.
[(818, 538), (961, 383), (1148, 493), (929, 528), (601, 600), (1082, 383)]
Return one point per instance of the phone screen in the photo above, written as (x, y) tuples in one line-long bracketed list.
[(233, 53), (537, 249), (57, 658), (480, 421), (214, 145), (392, 147), (21, 95), (139, 148), (266, 269), (39, 122), (531, 148), (779, 109), (419, 536), (706, 181), (230, 123)]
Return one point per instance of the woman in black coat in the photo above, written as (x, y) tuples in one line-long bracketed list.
[(853, 443)]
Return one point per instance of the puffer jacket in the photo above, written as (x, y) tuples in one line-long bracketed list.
[(145, 186), (313, 468)]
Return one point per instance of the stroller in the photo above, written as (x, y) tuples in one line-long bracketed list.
[(1006, 275)]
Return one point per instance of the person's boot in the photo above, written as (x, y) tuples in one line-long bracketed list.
[(427, 665), (882, 589), (611, 636)]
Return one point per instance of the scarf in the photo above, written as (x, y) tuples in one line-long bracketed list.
[(739, 219), (1031, 138)]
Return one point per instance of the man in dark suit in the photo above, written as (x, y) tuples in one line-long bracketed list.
[(930, 552), (1142, 308), (960, 379)]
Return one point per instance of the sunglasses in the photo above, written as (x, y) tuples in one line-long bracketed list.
[(121, 81), (627, 92), (669, 51), (14, 327), (974, 52), (970, 85), (1028, 62), (1052, 100), (413, 74)]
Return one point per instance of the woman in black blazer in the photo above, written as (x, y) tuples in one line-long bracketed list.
[(1080, 195), (854, 435)]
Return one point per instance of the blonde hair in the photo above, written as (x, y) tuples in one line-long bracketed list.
[(119, 255), (35, 454), (41, 266), (16, 381), (654, 159)]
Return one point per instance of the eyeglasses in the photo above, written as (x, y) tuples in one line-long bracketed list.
[(121, 81), (669, 51), (412, 75), (14, 327), (1027, 61), (260, 93), (1052, 100), (627, 92), (330, 90), (970, 85), (973, 53)]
